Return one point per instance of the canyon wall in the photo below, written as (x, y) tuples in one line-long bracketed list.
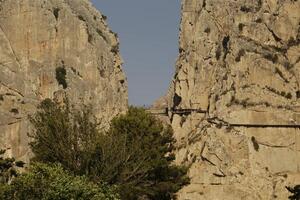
[(235, 98), (49, 48)]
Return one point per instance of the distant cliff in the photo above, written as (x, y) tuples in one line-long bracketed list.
[(239, 62), (51, 48)]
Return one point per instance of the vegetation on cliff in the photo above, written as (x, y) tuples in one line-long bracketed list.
[(8, 168), (295, 192)]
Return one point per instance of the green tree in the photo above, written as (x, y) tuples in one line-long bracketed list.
[(64, 134), (52, 182), (134, 154)]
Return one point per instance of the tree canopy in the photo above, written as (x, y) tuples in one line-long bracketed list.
[(52, 182), (143, 164), (64, 134), (135, 153)]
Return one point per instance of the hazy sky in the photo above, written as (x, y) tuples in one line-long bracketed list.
[(148, 32)]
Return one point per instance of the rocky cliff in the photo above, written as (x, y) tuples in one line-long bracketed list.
[(51, 48), (235, 98)]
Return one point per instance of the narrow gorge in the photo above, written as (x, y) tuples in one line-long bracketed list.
[(234, 101)]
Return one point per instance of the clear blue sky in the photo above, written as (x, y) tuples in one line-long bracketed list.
[(148, 32)]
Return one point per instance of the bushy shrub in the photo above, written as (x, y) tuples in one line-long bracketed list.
[(60, 75), (8, 171), (45, 182), (8, 168)]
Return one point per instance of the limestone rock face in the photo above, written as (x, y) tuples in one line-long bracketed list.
[(239, 69), (49, 48)]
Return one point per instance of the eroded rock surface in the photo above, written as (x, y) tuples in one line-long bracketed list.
[(52, 47), (239, 62)]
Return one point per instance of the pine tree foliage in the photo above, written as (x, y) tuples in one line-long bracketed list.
[(142, 165), (64, 134), (135, 154)]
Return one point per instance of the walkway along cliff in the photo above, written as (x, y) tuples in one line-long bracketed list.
[(49, 49), (239, 62)]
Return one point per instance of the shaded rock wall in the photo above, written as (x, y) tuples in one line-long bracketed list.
[(48, 48), (240, 62)]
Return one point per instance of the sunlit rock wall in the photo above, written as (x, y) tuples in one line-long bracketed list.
[(37, 37), (239, 62)]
